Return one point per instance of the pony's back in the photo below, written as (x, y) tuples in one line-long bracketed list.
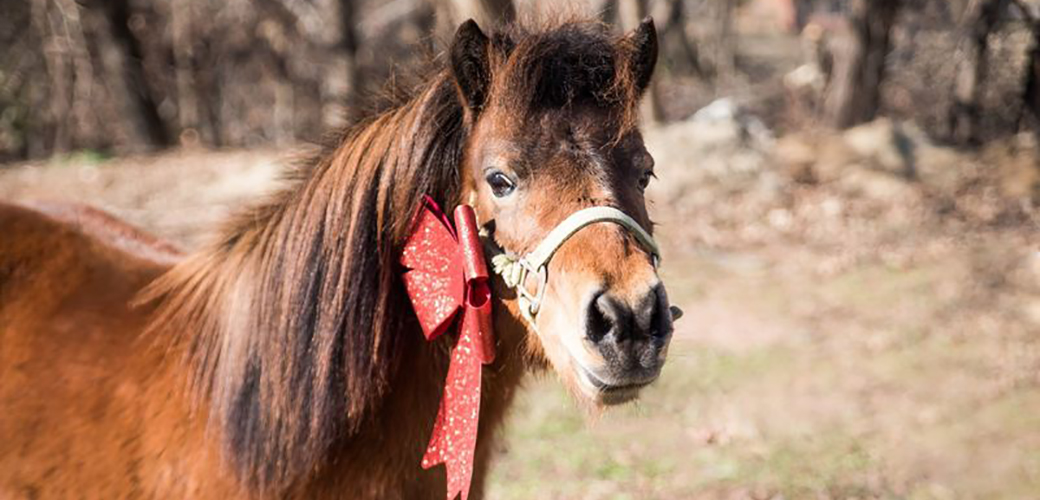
[(73, 371)]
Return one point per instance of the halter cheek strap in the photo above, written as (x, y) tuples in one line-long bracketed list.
[(515, 269)]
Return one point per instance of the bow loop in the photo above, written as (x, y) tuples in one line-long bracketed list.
[(469, 242), (433, 264)]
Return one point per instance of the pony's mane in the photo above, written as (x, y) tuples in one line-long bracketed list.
[(295, 320)]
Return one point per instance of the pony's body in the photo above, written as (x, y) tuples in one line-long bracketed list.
[(283, 360), (71, 366), (93, 410)]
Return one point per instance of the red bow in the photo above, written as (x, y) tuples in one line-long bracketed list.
[(446, 273)]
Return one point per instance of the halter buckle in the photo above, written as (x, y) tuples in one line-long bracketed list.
[(534, 301)]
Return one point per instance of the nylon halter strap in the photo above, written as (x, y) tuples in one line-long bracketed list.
[(515, 270)]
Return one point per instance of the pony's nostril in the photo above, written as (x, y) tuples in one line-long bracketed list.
[(599, 318), (655, 317), (608, 319), (662, 320)]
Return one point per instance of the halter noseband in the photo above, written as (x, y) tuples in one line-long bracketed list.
[(515, 269)]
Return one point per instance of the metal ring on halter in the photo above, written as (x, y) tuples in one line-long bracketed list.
[(543, 281), (534, 300)]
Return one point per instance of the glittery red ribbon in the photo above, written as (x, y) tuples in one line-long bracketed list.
[(445, 275)]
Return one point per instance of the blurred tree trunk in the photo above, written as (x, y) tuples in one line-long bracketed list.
[(499, 10), (341, 84), (487, 13), (630, 14), (674, 27), (1031, 90), (139, 107), (348, 44), (52, 131), (972, 58), (726, 43), (184, 72), (67, 118), (853, 95), (803, 10), (1031, 86)]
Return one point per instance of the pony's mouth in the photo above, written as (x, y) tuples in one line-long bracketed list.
[(605, 392)]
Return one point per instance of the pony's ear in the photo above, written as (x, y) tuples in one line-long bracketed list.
[(470, 65), (643, 41)]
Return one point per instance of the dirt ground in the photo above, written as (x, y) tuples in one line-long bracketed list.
[(859, 323)]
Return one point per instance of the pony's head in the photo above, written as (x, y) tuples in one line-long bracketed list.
[(552, 132), (294, 322)]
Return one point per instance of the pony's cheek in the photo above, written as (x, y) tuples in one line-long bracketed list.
[(548, 338), (511, 330), (560, 335)]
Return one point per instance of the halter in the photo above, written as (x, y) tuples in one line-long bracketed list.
[(515, 269)]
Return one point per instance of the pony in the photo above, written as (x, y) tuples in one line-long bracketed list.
[(283, 360)]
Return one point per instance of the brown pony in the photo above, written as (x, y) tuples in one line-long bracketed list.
[(285, 360)]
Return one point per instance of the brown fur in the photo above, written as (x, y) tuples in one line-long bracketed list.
[(282, 361)]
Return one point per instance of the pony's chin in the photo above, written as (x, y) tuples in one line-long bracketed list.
[(601, 393)]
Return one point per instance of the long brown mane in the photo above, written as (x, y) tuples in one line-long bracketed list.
[(290, 322), (295, 321)]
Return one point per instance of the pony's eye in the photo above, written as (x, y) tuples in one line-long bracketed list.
[(644, 180), (501, 184)]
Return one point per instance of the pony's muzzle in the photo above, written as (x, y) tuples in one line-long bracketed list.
[(630, 335)]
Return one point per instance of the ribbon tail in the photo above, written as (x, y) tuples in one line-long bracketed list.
[(454, 438), (437, 452)]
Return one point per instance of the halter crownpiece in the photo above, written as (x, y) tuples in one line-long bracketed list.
[(515, 269)]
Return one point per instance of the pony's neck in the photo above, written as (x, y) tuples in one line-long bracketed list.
[(383, 459), (299, 337)]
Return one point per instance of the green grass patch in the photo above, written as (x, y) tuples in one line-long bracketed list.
[(830, 464), (82, 157)]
